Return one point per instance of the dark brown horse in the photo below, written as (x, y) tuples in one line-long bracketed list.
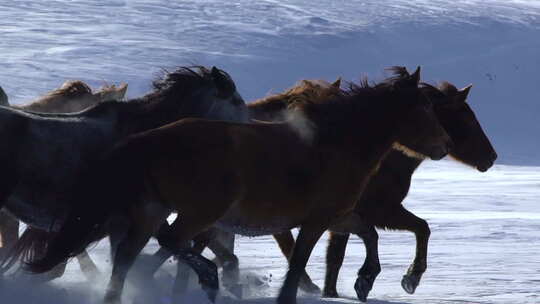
[(381, 203), (271, 108), (378, 206), (231, 175)]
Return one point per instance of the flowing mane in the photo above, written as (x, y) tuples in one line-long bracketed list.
[(187, 79), (331, 112), (273, 107)]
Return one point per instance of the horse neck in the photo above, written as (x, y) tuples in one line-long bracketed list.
[(140, 115), (396, 161), (56, 104), (369, 134), (269, 109)]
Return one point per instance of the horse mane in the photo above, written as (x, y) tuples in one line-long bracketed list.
[(186, 79), (72, 89), (439, 93), (363, 97), (303, 91), (173, 86)]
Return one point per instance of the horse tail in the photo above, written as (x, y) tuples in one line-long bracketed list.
[(77, 233), (31, 245)]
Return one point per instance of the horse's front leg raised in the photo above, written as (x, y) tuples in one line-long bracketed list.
[(405, 220), (307, 238)]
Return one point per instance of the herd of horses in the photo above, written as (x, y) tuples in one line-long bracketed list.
[(79, 166)]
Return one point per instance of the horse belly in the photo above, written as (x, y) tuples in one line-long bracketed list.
[(237, 222), (32, 215)]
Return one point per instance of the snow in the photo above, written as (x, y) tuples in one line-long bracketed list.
[(483, 249), (484, 243)]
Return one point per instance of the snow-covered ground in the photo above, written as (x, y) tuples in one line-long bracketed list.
[(484, 249), (485, 227)]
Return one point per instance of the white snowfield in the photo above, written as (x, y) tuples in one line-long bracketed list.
[(485, 240), (484, 249)]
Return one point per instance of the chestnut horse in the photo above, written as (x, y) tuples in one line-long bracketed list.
[(381, 203), (231, 175)]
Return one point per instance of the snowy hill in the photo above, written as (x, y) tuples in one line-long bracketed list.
[(485, 240), (268, 45)]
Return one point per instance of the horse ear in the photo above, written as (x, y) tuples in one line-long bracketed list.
[(463, 93), (215, 72), (223, 83), (416, 75), (122, 89), (337, 84), (3, 98)]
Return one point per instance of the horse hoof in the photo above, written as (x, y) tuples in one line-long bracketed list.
[(309, 287), (363, 286), (410, 282), (112, 299), (330, 294), (236, 290), (211, 293)]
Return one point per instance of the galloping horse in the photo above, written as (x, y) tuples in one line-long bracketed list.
[(381, 203), (378, 208), (231, 175), (72, 96), (46, 152), (272, 108)]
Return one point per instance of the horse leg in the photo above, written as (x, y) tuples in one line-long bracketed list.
[(9, 231), (286, 241), (88, 267), (140, 231), (405, 220), (307, 238), (183, 271), (229, 262), (335, 253), (177, 240), (371, 267), (227, 242)]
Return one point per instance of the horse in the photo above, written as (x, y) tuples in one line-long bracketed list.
[(380, 208), (381, 203), (72, 96), (46, 152), (273, 108), (230, 175)]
